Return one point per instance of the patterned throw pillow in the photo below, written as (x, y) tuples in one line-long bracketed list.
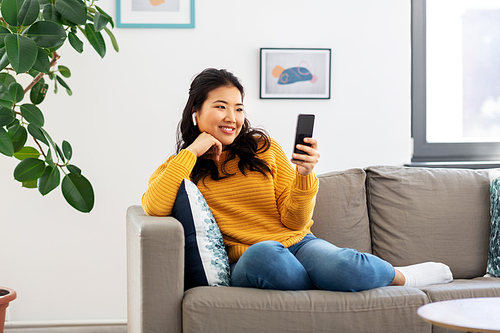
[(206, 260), (493, 267)]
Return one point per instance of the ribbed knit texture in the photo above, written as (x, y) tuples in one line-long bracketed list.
[(248, 208)]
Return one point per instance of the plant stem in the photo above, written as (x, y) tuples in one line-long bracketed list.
[(45, 156), (37, 78), (40, 147)]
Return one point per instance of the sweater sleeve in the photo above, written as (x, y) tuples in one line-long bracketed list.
[(159, 198), (295, 194)]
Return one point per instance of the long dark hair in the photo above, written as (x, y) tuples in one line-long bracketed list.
[(249, 142)]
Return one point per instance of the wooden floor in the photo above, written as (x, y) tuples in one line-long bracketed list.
[(69, 329)]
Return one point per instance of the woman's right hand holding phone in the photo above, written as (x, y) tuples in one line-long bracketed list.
[(204, 143)]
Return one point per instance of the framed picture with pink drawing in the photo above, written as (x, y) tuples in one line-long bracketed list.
[(295, 73)]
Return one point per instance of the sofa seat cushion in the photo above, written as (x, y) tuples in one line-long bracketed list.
[(232, 309), (340, 215), (424, 214), (478, 287)]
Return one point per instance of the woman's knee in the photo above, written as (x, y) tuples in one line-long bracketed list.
[(264, 248), (269, 265)]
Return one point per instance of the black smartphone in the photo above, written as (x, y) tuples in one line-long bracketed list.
[(305, 125)]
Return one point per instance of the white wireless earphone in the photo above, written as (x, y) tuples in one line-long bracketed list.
[(194, 119)]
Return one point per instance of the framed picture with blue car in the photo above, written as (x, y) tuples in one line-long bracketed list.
[(155, 13), (295, 73)]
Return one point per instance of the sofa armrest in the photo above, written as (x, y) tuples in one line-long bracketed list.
[(155, 272)]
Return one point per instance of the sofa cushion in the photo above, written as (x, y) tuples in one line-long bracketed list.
[(232, 309), (493, 266), (340, 214), (206, 260), (478, 287), (424, 214)]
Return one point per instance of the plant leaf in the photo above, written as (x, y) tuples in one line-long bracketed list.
[(29, 169), (78, 192), (46, 34), (95, 39), (27, 152), (42, 63), (67, 150), (106, 14), (37, 133), (74, 169), (49, 160), (6, 146), (32, 114), (64, 71), (7, 79), (49, 139), (23, 137), (16, 91), (61, 81), (5, 96), (13, 130), (75, 42), (6, 116), (30, 184), (10, 10), (3, 32), (100, 21), (50, 13), (38, 92), (4, 59), (50, 179), (28, 13), (60, 153), (113, 39), (72, 10), (21, 51)]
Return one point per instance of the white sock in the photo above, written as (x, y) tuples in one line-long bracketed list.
[(426, 273)]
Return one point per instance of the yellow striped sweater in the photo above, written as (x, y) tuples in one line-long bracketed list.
[(248, 208)]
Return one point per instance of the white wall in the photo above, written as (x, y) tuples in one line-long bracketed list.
[(121, 122)]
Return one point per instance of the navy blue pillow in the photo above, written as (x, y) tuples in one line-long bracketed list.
[(206, 260)]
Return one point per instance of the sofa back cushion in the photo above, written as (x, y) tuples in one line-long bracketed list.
[(424, 214), (340, 215)]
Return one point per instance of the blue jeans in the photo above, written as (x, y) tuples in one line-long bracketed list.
[(312, 263)]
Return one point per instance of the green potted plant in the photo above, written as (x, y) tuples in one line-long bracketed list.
[(31, 33)]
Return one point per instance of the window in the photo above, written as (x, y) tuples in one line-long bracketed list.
[(456, 81)]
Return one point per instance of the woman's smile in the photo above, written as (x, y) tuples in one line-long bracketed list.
[(227, 130)]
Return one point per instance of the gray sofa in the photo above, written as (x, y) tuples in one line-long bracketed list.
[(403, 215)]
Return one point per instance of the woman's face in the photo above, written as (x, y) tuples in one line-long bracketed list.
[(222, 114)]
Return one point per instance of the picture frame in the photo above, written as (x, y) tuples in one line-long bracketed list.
[(155, 14), (295, 73)]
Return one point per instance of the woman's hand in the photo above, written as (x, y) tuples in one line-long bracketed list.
[(206, 142), (306, 163)]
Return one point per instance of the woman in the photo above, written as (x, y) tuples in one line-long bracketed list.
[(263, 205)]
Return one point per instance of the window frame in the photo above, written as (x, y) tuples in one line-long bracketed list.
[(434, 152)]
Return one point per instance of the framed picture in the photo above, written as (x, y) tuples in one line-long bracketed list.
[(295, 73), (155, 13)]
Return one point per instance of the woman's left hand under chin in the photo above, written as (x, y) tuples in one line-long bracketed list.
[(306, 163)]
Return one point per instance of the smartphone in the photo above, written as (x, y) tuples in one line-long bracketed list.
[(305, 125)]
